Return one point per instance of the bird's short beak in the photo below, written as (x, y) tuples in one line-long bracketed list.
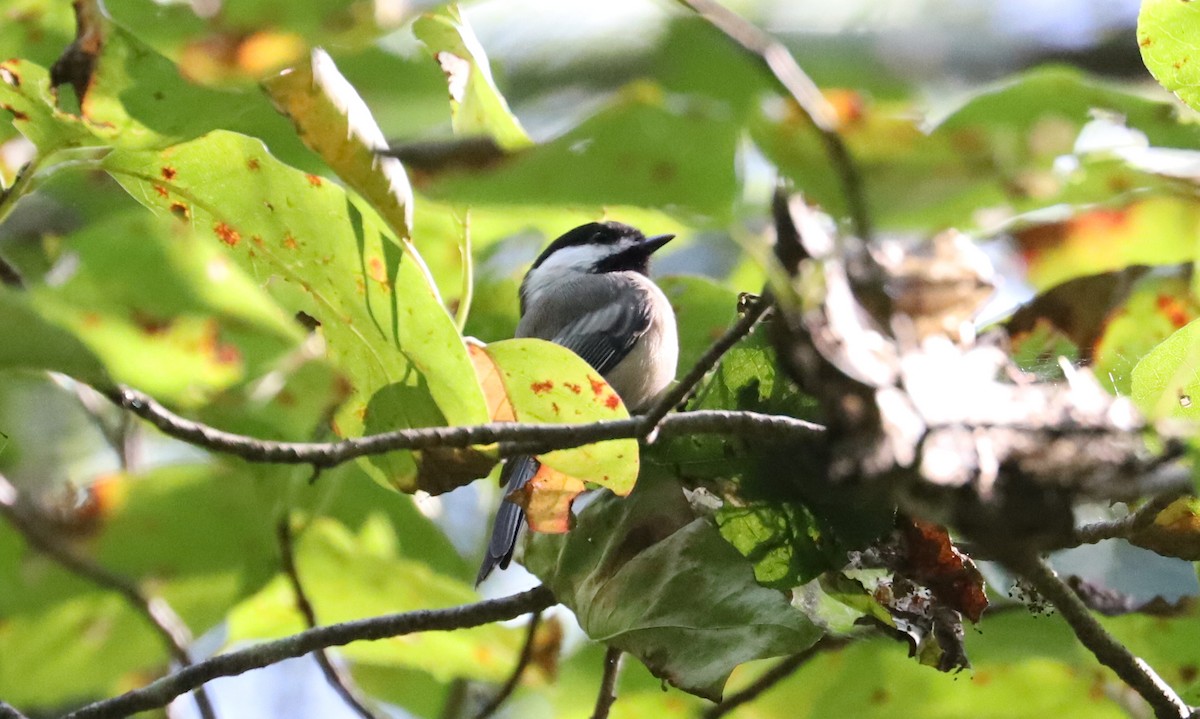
[(652, 244)]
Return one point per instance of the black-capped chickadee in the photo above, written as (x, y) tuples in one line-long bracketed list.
[(588, 291)]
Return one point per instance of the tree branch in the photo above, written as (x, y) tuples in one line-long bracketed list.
[(782, 670), (162, 691), (813, 105), (515, 678), (608, 683), (546, 436), (1138, 519), (652, 420), (173, 632), (336, 678), (1111, 653)]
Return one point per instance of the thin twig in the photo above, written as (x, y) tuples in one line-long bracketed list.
[(549, 436), (162, 691), (1111, 653), (788, 73), (608, 683), (1137, 520), (652, 420), (340, 683), (8, 711), (161, 617), (515, 677), (782, 670)]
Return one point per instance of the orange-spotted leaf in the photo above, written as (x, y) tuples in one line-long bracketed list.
[(548, 383), (1155, 231), (1109, 320), (1166, 35), (322, 251), (547, 500)]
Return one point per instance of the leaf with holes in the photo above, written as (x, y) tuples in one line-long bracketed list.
[(476, 105)]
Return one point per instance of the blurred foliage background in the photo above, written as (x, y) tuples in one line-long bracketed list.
[(151, 236)]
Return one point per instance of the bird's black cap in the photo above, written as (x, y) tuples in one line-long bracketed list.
[(636, 257)]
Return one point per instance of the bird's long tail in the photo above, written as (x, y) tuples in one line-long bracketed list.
[(515, 475)]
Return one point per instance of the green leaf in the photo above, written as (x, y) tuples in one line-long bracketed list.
[(163, 309), (78, 650), (324, 253), (249, 39), (1110, 320), (352, 577), (1154, 231), (136, 99), (200, 537), (996, 152), (1166, 33), (44, 344), (33, 406), (347, 495), (36, 30), (1012, 652), (548, 383), (643, 575), (476, 105), (641, 150), (784, 542), (1166, 382)]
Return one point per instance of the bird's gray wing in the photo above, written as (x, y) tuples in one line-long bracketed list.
[(605, 335), (597, 317)]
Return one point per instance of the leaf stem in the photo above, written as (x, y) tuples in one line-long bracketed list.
[(467, 292)]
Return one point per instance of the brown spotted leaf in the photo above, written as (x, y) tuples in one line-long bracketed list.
[(323, 252), (548, 383)]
